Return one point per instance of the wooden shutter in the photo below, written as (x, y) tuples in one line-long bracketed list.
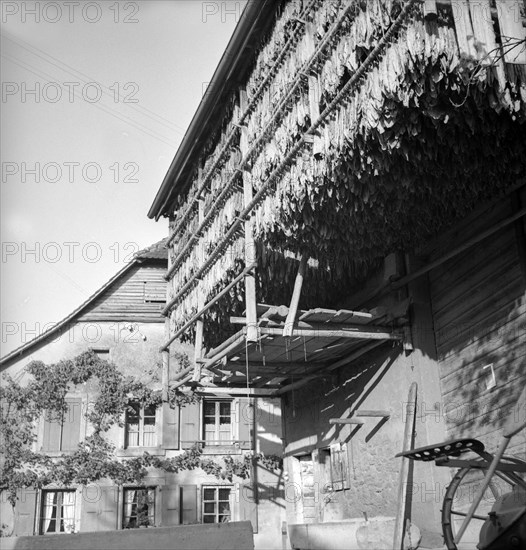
[(52, 433), (245, 417), (71, 425), (248, 507), (339, 467), (188, 504), (170, 499), (99, 508), (170, 427), (190, 432), (25, 510)]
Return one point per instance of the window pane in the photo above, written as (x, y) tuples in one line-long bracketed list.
[(224, 494), (209, 408), (209, 508), (209, 494), (208, 519), (149, 411), (139, 508), (224, 409)]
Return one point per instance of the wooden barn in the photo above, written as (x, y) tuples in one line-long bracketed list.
[(347, 233)]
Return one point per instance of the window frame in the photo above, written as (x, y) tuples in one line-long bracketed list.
[(140, 431), (217, 441), (216, 501), (151, 494), (57, 505)]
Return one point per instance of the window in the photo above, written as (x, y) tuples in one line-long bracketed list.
[(62, 434), (140, 426), (139, 508), (102, 353), (217, 422), (216, 504), (57, 513)]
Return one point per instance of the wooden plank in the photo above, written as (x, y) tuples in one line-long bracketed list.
[(318, 315), (349, 316), (430, 9), (463, 28), (512, 31), (356, 421), (199, 325), (221, 391), (487, 49), (337, 333), (250, 246)]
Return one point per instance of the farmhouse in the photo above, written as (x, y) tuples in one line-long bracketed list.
[(122, 324), (347, 233)]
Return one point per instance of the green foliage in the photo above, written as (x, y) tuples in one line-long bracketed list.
[(94, 459)]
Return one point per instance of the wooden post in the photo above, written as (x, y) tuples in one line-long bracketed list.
[(404, 470), (430, 9), (250, 245), (293, 308), (198, 352)]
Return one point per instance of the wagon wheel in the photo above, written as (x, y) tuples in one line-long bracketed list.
[(459, 495)]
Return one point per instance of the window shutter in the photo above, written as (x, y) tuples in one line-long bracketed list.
[(248, 508), (190, 432), (170, 497), (71, 425), (25, 510), (170, 427), (188, 504), (99, 508), (52, 431), (339, 467), (245, 417)]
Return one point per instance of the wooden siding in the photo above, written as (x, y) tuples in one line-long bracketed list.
[(479, 311), (133, 297)]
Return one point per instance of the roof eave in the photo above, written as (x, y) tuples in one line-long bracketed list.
[(253, 14)]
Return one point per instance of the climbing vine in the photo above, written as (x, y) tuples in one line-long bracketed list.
[(44, 396)]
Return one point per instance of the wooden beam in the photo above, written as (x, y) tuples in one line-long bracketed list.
[(198, 315), (375, 414), (199, 326), (255, 392), (335, 333), (225, 351), (269, 366), (296, 294), (346, 421), (250, 245), (322, 327)]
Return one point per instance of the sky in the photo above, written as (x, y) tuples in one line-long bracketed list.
[(96, 97)]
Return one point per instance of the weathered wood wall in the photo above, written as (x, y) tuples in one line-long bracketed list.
[(137, 296), (479, 309)]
